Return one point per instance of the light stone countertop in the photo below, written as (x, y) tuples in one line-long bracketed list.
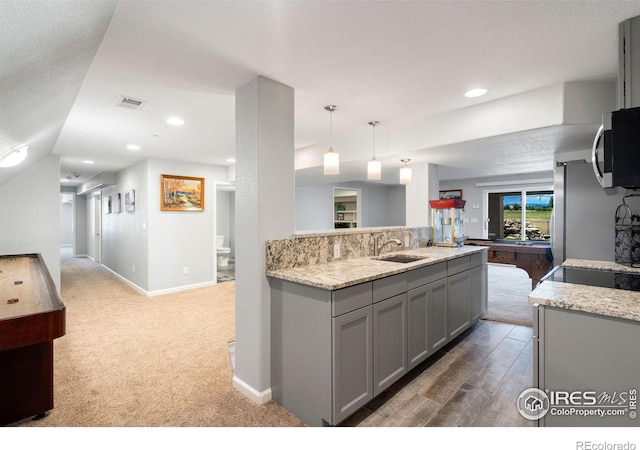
[(603, 301), (340, 274)]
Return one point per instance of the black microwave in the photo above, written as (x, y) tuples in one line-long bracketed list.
[(616, 151)]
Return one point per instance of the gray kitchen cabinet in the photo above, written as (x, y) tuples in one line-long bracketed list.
[(585, 356), (333, 351), (458, 303), (427, 320), (352, 373), (478, 285), (437, 314), (389, 342)]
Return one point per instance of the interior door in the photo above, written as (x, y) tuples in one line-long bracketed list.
[(98, 228)]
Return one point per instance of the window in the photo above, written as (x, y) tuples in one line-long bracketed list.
[(507, 211)]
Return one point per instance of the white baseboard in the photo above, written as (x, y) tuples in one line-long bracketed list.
[(160, 291), (180, 288), (259, 398)]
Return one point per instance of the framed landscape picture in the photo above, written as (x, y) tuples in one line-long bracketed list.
[(451, 194), (180, 193)]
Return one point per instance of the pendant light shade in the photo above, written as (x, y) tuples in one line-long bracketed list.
[(405, 173), (374, 167), (14, 156), (331, 158), (331, 163)]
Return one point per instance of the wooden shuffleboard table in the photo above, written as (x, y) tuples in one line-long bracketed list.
[(32, 315), (534, 257)]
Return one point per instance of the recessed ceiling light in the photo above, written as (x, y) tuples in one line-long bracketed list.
[(88, 161), (230, 160), (177, 121), (477, 92), (14, 156), (133, 147)]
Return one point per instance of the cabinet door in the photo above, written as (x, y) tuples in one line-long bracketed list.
[(417, 318), (437, 314), (478, 291), (389, 342), (352, 371), (458, 303)]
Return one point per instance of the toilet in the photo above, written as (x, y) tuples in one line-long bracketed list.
[(222, 252)]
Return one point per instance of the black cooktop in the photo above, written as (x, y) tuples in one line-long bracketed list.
[(592, 277)]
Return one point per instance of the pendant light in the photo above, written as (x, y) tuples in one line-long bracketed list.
[(331, 158), (405, 173), (374, 167)]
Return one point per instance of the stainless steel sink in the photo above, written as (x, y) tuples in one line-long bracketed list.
[(400, 258)]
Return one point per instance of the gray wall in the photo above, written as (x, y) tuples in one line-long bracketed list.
[(181, 239), (124, 239), (380, 205), (30, 219), (158, 243), (589, 218)]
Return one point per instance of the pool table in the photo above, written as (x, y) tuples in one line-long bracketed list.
[(532, 256)]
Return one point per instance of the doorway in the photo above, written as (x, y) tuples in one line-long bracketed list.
[(346, 207), (224, 232), (97, 222), (67, 224)]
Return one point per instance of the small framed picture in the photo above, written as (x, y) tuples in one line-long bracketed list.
[(130, 200), (340, 216), (451, 194), (116, 203)]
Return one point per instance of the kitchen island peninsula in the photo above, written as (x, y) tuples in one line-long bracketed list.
[(345, 331)]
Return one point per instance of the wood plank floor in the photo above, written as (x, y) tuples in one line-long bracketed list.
[(473, 381)]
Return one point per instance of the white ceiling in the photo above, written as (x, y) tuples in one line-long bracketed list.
[(403, 63)]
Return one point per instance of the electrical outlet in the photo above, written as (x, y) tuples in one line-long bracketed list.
[(336, 251), (134, 268), (406, 242), (185, 271)]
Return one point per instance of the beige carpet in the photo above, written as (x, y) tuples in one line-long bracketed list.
[(132, 361), (509, 288)]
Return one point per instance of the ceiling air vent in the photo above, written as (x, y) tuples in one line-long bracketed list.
[(130, 102)]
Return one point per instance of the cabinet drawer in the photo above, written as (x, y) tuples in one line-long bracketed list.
[(350, 298), (389, 286), (477, 259), (458, 265), (425, 275)]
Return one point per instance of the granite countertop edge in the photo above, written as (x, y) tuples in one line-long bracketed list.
[(349, 272), (609, 302)]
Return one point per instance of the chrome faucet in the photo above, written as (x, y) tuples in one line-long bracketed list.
[(377, 246)]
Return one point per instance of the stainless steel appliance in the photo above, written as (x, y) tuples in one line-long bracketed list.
[(615, 153)]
